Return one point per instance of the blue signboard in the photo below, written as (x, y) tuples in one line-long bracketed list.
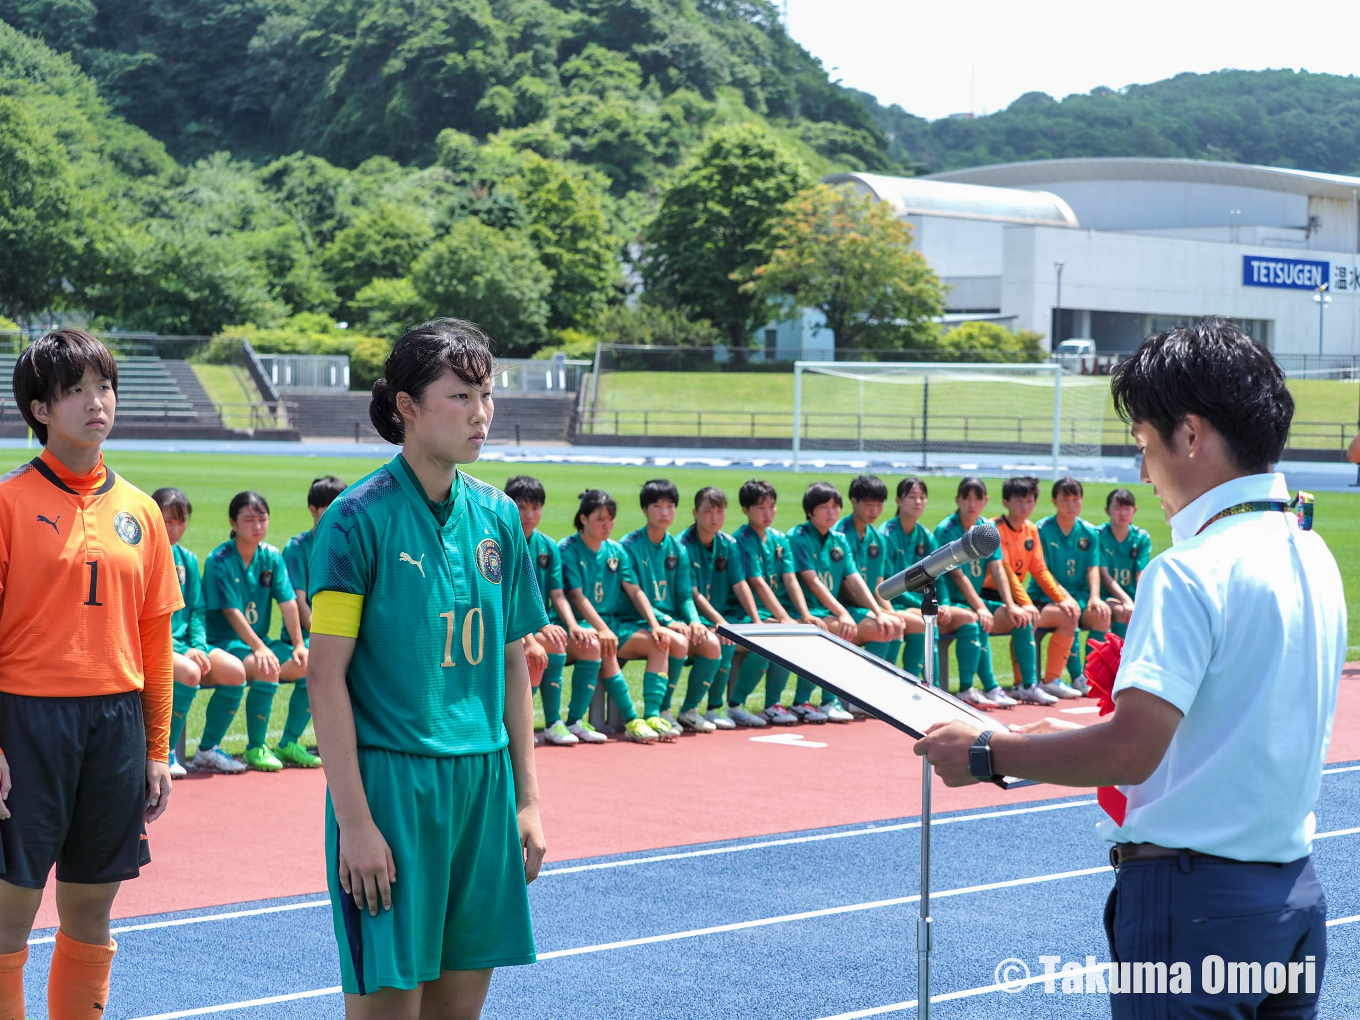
[(1270, 271)]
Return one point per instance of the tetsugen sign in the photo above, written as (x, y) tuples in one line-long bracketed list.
[(1296, 274)]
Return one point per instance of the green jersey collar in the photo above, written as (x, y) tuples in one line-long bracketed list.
[(444, 512)]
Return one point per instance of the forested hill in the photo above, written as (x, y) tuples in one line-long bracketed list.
[(1276, 118)]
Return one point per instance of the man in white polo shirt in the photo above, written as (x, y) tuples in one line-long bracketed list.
[(1224, 697)]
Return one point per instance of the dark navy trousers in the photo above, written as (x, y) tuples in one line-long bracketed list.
[(1191, 910)]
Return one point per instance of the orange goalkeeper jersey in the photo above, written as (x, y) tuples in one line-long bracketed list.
[(1023, 554)]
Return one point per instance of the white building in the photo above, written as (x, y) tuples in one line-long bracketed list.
[(1115, 249)]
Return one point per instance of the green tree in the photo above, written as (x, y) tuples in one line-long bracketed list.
[(491, 277), (714, 228), (991, 341), (382, 242), (386, 307), (851, 258), (647, 325), (42, 217)]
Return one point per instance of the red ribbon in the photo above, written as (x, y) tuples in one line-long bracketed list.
[(1102, 666)]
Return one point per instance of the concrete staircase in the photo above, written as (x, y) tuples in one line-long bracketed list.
[(522, 418), (182, 373)]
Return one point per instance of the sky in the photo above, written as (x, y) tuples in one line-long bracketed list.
[(934, 59)]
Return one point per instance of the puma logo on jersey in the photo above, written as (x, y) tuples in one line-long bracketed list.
[(44, 520), (418, 564)]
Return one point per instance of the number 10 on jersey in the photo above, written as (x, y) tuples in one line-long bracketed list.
[(474, 635)]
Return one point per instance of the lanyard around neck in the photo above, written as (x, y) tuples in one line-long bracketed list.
[(1301, 505)]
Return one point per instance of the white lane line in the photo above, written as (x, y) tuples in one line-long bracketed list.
[(1343, 920), (199, 919), (1343, 768), (271, 1000)]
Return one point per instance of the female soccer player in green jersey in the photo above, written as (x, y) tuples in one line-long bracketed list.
[(422, 593)]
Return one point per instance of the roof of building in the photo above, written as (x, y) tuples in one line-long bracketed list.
[(924, 197), (1181, 171)]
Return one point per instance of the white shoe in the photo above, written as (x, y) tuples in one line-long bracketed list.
[(559, 735), (177, 771), (720, 718), (214, 759), (809, 713), (835, 713), (998, 697), (1034, 696), (669, 719), (586, 733), (974, 697), (1081, 686), (778, 715), (742, 716), (1059, 689), (692, 720), (856, 710)]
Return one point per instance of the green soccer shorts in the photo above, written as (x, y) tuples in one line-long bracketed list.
[(282, 649), (460, 901)]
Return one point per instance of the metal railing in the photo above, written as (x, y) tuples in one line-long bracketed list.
[(173, 413), (306, 371), (540, 375)]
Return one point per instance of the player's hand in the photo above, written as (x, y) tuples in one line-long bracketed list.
[(946, 745), (1025, 616), (661, 637), (554, 633), (1071, 608), (1100, 614), (985, 619), (816, 621), (536, 658), (786, 618), (721, 640), (366, 867), (584, 639), (267, 663), (531, 839), (1126, 607), (300, 657), (200, 659), (609, 643), (5, 786), (846, 627), (157, 789), (1047, 725), (698, 633)]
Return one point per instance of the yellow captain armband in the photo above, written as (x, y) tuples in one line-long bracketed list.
[(337, 613)]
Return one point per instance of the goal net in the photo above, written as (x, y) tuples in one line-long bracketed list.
[(950, 417)]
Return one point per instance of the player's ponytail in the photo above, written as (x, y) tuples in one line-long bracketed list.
[(421, 356), (592, 500)]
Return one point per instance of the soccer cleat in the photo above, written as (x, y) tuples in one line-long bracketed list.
[(639, 732), (661, 728), (692, 720), (836, 713), (586, 733), (743, 716), (998, 697), (720, 718), (262, 759), (669, 719), (1034, 696), (808, 712), (177, 771), (1081, 686), (214, 759), (856, 710), (778, 715), (297, 755), (559, 735), (1059, 689), (973, 696)]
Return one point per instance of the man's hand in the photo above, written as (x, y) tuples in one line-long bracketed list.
[(946, 745), (5, 786), (366, 868), (157, 789), (200, 659), (531, 840)]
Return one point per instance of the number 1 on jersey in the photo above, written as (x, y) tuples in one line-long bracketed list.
[(93, 600)]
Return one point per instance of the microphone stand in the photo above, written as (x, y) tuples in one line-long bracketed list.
[(930, 609)]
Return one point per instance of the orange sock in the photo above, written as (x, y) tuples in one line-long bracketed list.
[(12, 985), (78, 984), (1059, 648)]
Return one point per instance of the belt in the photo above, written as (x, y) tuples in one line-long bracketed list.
[(1122, 853)]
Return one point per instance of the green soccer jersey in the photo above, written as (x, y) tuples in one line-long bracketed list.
[(663, 571), (903, 548), (441, 602), (547, 563), (230, 584), (770, 559), (1125, 560), (187, 626), (828, 556), (1068, 557), (869, 552), (717, 569), (297, 552), (599, 574), (976, 571)]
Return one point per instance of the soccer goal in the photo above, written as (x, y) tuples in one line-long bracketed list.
[(944, 416)]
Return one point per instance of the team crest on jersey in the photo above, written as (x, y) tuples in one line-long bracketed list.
[(720, 563), (489, 560), (779, 552), (267, 579), (1083, 544), (873, 550), (920, 548), (127, 527), (612, 564), (179, 572), (1133, 554), (543, 560), (672, 562), (1029, 545), (836, 554)]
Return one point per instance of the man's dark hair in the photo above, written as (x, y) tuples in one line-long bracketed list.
[(1024, 485), (592, 500), (656, 490), (174, 504), (710, 494), (50, 366), (1215, 370), (1067, 486), (1121, 496), (818, 493), (755, 491), (323, 491), (971, 486), (905, 486), (526, 489), (869, 487)]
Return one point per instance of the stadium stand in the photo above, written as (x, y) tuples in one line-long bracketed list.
[(519, 417)]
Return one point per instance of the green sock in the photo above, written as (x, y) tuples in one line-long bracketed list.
[(914, 655), (748, 678), (653, 691), (892, 652), (677, 666), (700, 676), (717, 690), (617, 688), (259, 705), (968, 646), (1074, 659), (879, 648), (583, 677), (776, 679), (984, 667), (222, 708), (179, 711), (550, 690), (802, 691), (1026, 654), (299, 713), (1119, 629)]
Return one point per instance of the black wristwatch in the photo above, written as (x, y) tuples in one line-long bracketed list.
[(980, 757)]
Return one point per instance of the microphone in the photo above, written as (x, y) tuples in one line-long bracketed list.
[(976, 543)]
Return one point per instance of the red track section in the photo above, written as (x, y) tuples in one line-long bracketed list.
[(227, 839)]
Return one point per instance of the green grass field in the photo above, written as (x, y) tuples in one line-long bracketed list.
[(211, 481)]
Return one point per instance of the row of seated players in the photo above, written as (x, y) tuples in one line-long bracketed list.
[(655, 597), (221, 636)]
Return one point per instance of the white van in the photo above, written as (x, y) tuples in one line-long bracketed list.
[(1077, 356)]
